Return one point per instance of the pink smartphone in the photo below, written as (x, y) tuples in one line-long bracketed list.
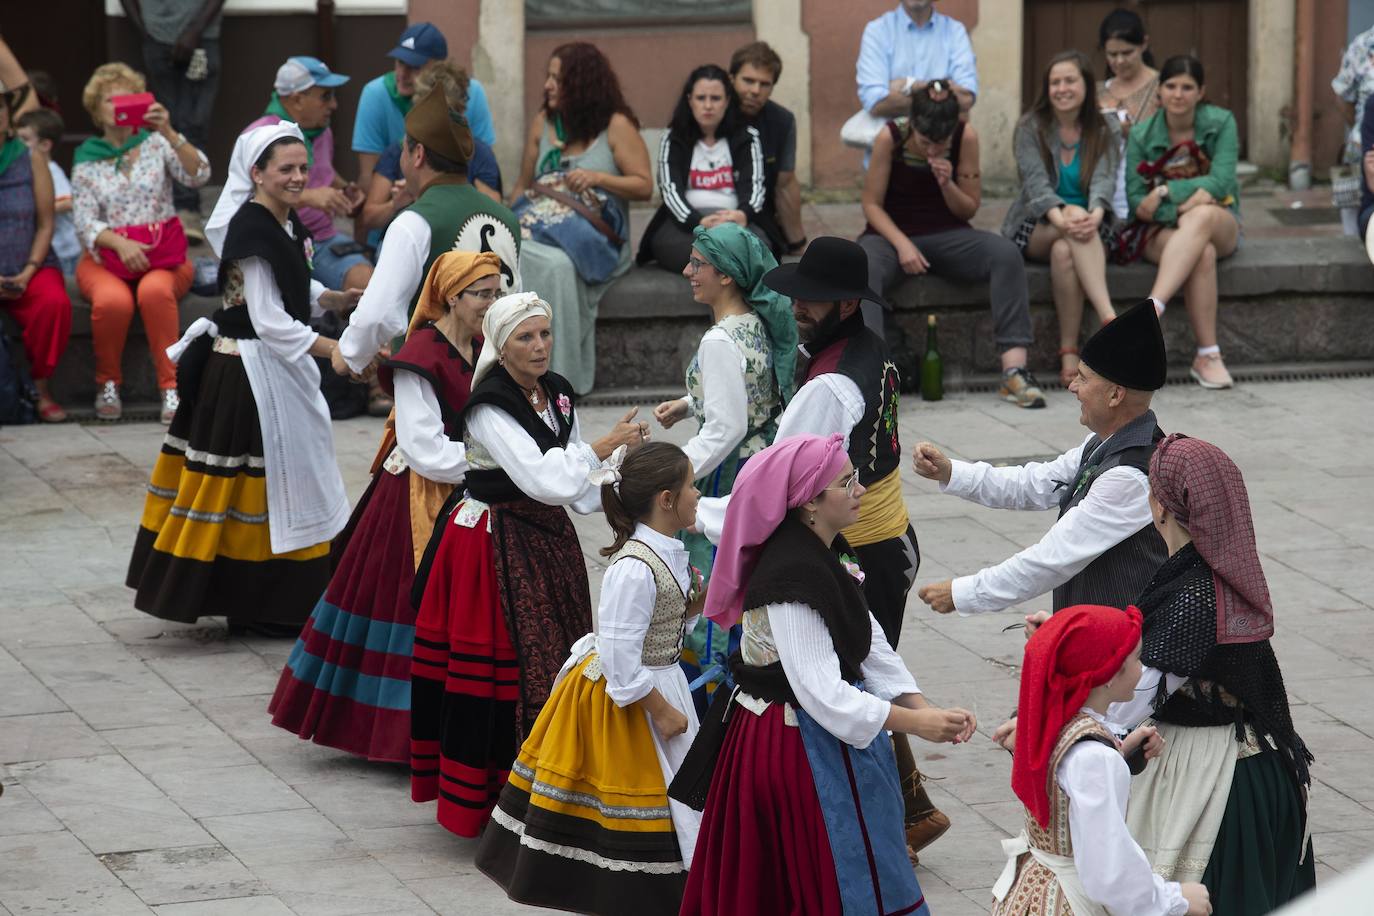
[(130, 109)]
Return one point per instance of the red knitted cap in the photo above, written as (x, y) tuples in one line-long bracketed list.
[(1077, 649)]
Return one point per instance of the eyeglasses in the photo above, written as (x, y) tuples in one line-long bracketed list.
[(482, 295), (850, 485), (695, 264)]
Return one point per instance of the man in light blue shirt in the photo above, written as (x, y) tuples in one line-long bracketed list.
[(385, 100), (907, 47)]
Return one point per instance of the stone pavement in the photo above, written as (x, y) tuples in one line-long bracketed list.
[(141, 771)]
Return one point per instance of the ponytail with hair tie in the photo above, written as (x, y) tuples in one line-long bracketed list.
[(630, 481)]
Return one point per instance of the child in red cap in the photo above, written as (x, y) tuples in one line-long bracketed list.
[(1076, 854)]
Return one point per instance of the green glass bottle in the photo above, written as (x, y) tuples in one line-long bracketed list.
[(932, 367)]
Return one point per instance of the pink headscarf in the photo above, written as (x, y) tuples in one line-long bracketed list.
[(1202, 487), (781, 477)]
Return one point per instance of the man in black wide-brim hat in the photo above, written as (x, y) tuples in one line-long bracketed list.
[(847, 384), (1103, 548)]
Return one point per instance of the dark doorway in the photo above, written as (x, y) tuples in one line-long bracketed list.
[(1214, 31)]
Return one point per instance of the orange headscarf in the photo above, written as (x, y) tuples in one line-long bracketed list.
[(452, 272)]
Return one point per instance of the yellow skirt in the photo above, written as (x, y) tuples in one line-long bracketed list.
[(203, 546), (583, 823)]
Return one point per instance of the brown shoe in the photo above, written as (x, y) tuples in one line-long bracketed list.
[(924, 831)]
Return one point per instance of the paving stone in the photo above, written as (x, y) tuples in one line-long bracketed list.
[(41, 627), (183, 874), (108, 804), (210, 792), (233, 673), (24, 814), (234, 906), (107, 685), (280, 837), (47, 736), (411, 852), (53, 873), (340, 887), (360, 794), (195, 744)]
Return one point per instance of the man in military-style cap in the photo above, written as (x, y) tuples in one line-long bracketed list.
[(449, 214), (1103, 548)]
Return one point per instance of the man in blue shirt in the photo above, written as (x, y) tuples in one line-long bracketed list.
[(904, 49), (385, 101)]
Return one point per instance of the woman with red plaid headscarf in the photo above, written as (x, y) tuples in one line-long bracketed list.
[(1226, 802)]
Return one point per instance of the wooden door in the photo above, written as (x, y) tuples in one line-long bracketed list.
[(1216, 32), (65, 38)]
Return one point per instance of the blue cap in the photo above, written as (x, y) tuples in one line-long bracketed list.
[(300, 73), (420, 44)]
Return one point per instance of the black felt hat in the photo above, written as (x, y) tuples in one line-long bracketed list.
[(830, 270), (1130, 349)]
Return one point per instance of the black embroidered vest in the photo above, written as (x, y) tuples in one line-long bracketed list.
[(855, 352), (1120, 574), (498, 389)]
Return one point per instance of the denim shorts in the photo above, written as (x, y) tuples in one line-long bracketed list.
[(331, 268)]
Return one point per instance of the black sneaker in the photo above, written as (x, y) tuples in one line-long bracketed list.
[(1020, 388)]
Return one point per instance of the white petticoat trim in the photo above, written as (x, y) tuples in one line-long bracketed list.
[(581, 855)]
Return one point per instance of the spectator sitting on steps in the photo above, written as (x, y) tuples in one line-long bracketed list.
[(755, 69), (923, 187)]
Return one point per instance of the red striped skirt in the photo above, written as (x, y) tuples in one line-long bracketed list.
[(499, 615)]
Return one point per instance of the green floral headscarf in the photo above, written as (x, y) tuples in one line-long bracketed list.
[(738, 253)]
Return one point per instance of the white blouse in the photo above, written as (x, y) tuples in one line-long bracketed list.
[(726, 402), (1111, 865), (1124, 717), (829, 403), (1115, 508), (286, 337), (628, 594), (798, 637), (557, 477), (420, 431)]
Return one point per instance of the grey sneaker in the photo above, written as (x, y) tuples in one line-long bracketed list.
[(170, 402), (108, 406), (1020, 388)]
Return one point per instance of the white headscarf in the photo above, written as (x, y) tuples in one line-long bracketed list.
[(504, 315), (238, 186)]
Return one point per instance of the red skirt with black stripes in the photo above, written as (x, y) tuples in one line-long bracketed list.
[(499, 614)]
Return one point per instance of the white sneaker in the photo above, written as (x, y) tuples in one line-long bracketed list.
[(108, 406), (1210, 372), (170, 402)]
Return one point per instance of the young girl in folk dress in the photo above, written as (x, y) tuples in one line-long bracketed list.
[(585, 823)]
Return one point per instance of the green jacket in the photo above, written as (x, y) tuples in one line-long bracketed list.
[(1214, 129)]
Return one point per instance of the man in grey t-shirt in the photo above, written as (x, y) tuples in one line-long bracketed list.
[(181, 55)]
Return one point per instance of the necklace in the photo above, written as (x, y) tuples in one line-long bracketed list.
[(534, 396)]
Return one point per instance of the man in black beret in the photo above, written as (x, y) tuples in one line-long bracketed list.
[(1103, 548)]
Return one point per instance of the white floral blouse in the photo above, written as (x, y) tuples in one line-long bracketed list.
[(107, 197)]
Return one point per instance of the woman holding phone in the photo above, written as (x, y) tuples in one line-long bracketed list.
[(135, 244)]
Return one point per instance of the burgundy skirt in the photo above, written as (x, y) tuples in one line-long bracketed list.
[(763, 846), (346, 683)]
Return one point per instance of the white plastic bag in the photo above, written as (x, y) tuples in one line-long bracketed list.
[(861, 129)]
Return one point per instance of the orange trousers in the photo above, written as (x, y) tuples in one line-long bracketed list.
[(112, 300)]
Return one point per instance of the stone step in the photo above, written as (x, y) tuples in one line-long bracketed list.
[(1283, 300)]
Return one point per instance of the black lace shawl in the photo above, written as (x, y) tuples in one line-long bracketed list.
[(1180, 637)]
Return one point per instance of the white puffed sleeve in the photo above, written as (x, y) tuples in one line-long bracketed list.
[(813, 672), (557, 477), (420, 431), (627, 601), (287, 338)]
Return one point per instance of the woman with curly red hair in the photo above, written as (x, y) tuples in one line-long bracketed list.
[(584, 142)]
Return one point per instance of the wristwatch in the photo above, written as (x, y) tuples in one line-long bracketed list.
[(910, 84)]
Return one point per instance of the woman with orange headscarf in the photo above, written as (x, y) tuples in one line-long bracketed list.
[(347, 681)]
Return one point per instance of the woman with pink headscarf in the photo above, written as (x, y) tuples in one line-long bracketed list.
[(1226, 803), (804, 810)]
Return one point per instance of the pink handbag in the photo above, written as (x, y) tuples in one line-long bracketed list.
[(168, 251)]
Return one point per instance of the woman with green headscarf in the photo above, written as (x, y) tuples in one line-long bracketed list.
[(740, 378)]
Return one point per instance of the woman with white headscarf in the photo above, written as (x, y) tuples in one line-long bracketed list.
[(246, 493), (502, 589)]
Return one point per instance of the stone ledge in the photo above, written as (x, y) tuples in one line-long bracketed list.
[(1282, 300)]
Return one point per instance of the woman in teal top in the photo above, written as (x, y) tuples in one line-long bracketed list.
[(1067, 155), (737, 385), (1181, 181)]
